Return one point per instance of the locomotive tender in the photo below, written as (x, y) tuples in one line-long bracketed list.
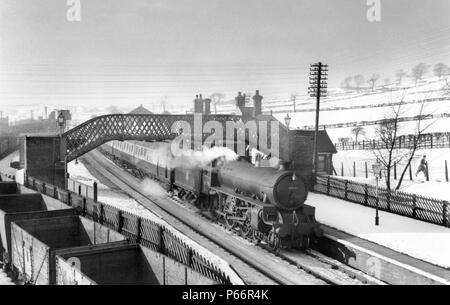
[(264, 204)]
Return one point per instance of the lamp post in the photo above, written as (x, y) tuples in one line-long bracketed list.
[(377, 172), (61, 122), (287, 120)]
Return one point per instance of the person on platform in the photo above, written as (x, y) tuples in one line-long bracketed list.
[(422, 166)]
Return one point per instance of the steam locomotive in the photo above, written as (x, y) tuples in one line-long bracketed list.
[(263, 204)]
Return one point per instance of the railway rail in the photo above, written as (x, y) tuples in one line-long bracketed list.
[(282, 267)]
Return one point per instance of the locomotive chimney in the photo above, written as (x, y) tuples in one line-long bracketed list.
[(283, 165)]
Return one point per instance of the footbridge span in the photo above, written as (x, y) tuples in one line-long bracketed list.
[(46, 155)]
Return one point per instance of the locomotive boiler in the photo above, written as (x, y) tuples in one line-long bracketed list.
[(280, 188)]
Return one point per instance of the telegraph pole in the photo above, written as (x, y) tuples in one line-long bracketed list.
[(317, 88)]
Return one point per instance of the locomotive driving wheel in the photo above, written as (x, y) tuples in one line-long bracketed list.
[(256, 236), (273, 241), (303, 242), (230, 223), (245, 228)]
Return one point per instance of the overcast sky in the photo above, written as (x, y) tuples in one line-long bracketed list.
[(133, 52)]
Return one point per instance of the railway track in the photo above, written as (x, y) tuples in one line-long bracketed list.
[(282, 267)]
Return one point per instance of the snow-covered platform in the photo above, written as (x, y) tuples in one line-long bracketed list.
[(399, 251)]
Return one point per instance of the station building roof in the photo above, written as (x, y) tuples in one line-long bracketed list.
[(140, 110), (324, 143)]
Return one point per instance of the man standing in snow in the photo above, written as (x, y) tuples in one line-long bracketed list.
[(422, 166)]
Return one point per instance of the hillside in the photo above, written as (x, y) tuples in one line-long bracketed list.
[(365, 106)]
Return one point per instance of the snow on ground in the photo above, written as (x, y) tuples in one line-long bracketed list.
[(124, 202), (437, 187), (4, 279), (5, 168), (427, 89), (4, 163), (419, 239)]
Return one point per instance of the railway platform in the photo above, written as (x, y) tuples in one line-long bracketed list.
[(400, 250)]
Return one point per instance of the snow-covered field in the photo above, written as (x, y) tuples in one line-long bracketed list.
[(418, 239), (427, 89), (437, 187), (124, 202)]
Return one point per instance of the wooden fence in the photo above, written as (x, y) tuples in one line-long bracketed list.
[(144, 231), (426, 141), (410, 205), (88, 191), (364, 170)]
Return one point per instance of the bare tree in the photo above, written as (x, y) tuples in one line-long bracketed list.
[(359, 80), (216, 98), (446, 88), (164, 99), (344, 140), (387, 131), (346, 83), (293, 100), (372, 80), (400, 74), (418, 72), (440, 70), (357, 131), (111, 109), (414, 144)]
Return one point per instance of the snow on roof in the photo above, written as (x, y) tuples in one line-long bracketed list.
[(324, 143)]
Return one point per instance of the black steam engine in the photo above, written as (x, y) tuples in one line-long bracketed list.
[(261, 203), (265, 204)]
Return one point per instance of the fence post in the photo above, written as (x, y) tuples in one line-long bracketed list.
[(328, 185), (431, 141), (138, 233), (395, 170), (427, 172), (444, 213), (161, 239), (354, 168), (79, 189), (95, 191), (345, 189), (364, 144), (446, 171), (342, 169), (410, 172), (388, 200), (414, 204), (366, 195), (83, 207), (365, 168), (101, 212), (119, 221)]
